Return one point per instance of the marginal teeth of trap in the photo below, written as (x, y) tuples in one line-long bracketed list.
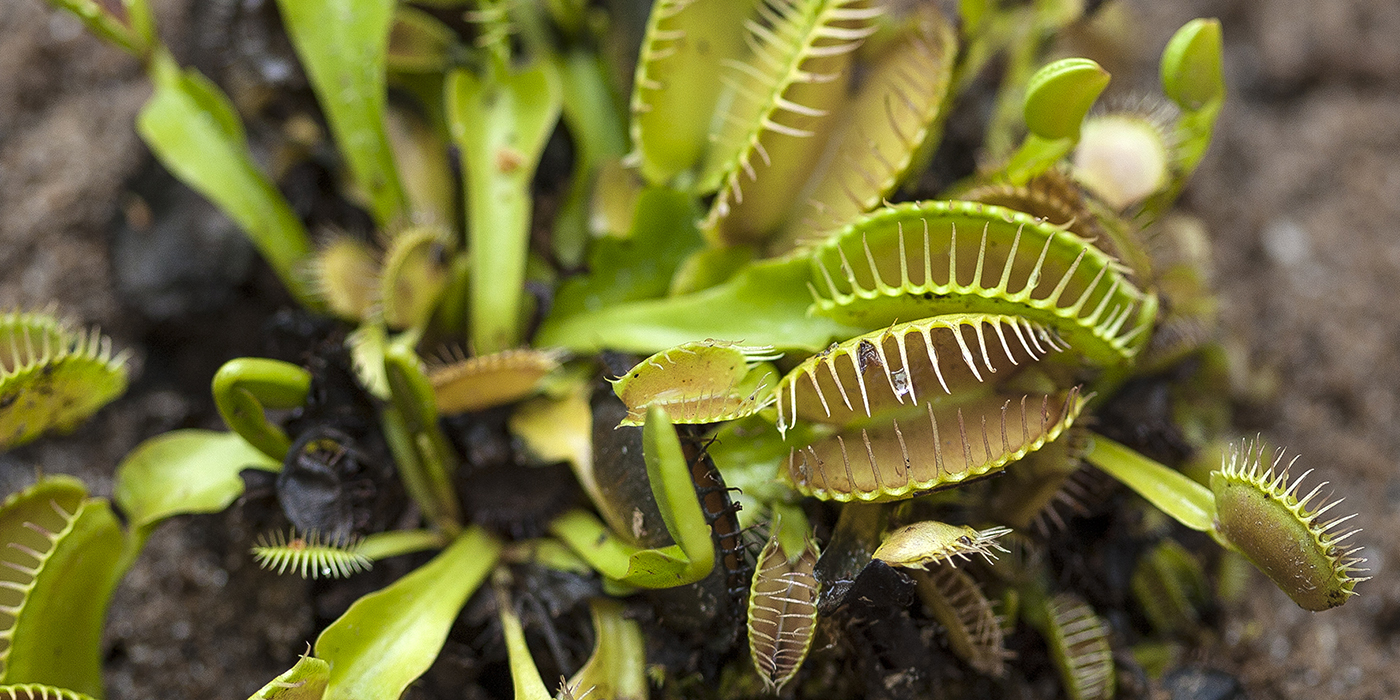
[(918, 260), (700, 382), (1260, 514), (929, 543), (933, 357), (918, 453)]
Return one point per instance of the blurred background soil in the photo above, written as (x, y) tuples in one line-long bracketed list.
[(1300, 191)]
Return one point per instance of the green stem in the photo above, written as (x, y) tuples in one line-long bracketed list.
[(588, 537), (382, 545), (500, 122), (193, 129), (1172, 492), (441, 513), (426, 461), (243, 387), (523, 672), (342, 46)]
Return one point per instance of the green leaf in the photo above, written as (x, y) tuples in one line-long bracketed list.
[(764, 304), (418, 42), (501, 123), (192, 129), (390, 637), (342, 45), (524, 675), (134, 33), (637, 267), (674, 489), (597, 131), (184, 471), (664, 567), (617, 668), (1172, 492), (62, 556), (305, 681)]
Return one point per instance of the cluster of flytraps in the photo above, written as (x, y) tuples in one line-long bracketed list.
[(825, 343)]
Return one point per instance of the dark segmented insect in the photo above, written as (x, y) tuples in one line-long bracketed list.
[(721, 512)]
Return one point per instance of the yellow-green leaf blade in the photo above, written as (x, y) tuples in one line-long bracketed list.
[(390, 637), (184, 471), (343, 46), (190, 128)]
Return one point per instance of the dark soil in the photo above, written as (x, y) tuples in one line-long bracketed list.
[(1301, 192)]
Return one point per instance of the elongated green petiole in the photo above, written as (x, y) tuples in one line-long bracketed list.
[(193, 129), (688, 561), (523, 673), (426, 461), (1172, 492), (500, 121), (245, 386), (588, 537), (382, 545)]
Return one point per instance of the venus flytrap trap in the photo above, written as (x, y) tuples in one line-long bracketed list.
[(37, 691), (809, 343), (974, 630), (706, 382), (52, 377), (782, 612)]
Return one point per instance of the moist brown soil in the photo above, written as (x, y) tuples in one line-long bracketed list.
[(1300, 191)]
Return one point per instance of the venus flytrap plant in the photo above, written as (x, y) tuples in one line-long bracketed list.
[(1170, 586), (475, 383), (921, 544), (38, 691), (342, 45), (245, 387), (64, 552), (61, 562), (909, 261), (1256, 510), (1057, 98), (617, 666), (1078, 640), (805, 336), (500, 121), (305, 681), (1192, 77)]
